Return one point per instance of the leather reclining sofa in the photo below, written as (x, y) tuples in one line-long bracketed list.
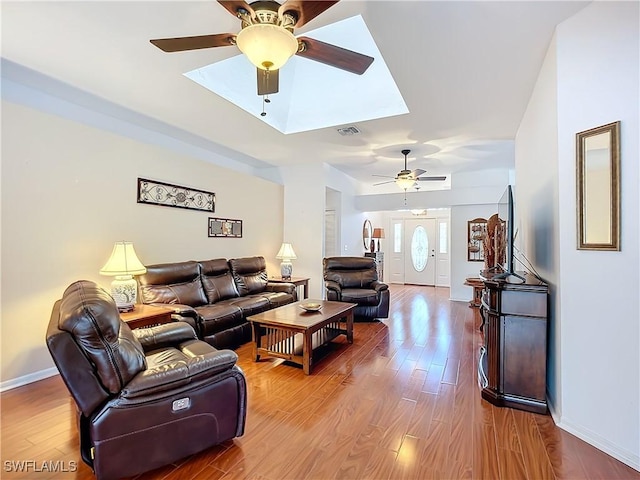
[(146, 397), (215, 296), (355, 279)]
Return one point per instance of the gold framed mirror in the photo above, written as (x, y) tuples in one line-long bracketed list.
[(367, 231), (598, 187)]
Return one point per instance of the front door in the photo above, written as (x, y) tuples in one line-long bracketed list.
[(420, 251)]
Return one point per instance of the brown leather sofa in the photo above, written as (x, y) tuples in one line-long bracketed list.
[(215, 296), (147, 397), (355, 279)]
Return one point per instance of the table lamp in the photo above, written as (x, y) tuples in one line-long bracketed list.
[(378, 233), (286, 254), (123, 264)]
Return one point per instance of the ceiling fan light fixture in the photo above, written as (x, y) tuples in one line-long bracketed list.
[(405, 182), (267, 46)]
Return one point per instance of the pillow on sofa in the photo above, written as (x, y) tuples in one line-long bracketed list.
[(249, 274), (173, 283), (217, 280)]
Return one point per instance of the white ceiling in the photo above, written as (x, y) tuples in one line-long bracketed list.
[(333, 95), (464, 69)]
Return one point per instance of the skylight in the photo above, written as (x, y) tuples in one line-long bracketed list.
[(312, 95)]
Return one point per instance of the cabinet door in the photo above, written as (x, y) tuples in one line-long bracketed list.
[(492, 345), (524, 356)]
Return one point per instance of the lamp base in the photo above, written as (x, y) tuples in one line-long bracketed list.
[(124, 290), (286, 269)]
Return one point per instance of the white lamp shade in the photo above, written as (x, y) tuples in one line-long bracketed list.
[(267, 46), (123, 261), (286, 252)]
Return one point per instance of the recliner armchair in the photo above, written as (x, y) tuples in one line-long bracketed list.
[(145, 397), (355, 280)]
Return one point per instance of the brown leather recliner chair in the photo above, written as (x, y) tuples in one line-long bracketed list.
[(145, 397), (355, 280)]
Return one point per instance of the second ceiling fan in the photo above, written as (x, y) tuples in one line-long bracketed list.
[(268, 42), (406, 179)]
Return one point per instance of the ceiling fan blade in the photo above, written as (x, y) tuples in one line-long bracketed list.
[(234, 5), (304, 11), (382, 183), (333, 55), (383, 176), (181, 44), (428, 179), (267, 81), (417, 172)]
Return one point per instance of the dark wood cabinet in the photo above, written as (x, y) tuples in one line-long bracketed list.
[(513, 359)]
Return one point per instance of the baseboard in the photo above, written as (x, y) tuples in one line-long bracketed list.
[(627, 457), (465, 300), (555, 414), (26, 379)]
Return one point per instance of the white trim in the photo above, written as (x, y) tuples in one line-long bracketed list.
[(27, 87), (26, 379), (592, 438)]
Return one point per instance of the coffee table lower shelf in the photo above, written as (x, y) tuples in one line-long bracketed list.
[(294, 335)]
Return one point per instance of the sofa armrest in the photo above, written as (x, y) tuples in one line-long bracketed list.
[(166, 335), (379, 286), (333, 290), (182, 313), (331, 285), (280, 287), (178, 309)]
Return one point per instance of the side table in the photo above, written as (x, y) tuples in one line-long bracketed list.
[(478, 286), (297, 281), (146, 316)]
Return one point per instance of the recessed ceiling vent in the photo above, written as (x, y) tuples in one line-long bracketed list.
[(352, 130)]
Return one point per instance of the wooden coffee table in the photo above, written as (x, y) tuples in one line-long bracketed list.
[(292, 333)]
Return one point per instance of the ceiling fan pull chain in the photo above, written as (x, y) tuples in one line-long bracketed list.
[(264, 100)]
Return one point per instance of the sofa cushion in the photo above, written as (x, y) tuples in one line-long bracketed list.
[(90, 315), (173, 283), (219, 316), (250, 304), (249, 274), (217, 280), (277, 299), (361, 296), (350, 272)]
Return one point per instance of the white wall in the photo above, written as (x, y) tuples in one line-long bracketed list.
[(596, 328), (351, 219), (304, 204), (536, 200), (461, 268), (69, 192)]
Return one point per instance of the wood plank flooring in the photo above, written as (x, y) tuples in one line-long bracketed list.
[(402, 402)]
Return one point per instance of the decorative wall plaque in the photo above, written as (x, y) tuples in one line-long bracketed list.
[(476, 232), (169, 195), (225, 227)]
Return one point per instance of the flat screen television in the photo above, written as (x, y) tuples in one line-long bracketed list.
[(506, 209)]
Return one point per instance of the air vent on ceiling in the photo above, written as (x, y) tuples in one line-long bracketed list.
[(352, 130)]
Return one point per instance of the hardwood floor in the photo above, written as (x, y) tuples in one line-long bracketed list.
[(402, 402)]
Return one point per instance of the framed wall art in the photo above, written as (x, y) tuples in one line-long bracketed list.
[(225, 227), (169, 195), (476, 232)]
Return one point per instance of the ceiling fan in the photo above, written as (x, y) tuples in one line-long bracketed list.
[(266, 38), (406, 179)]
